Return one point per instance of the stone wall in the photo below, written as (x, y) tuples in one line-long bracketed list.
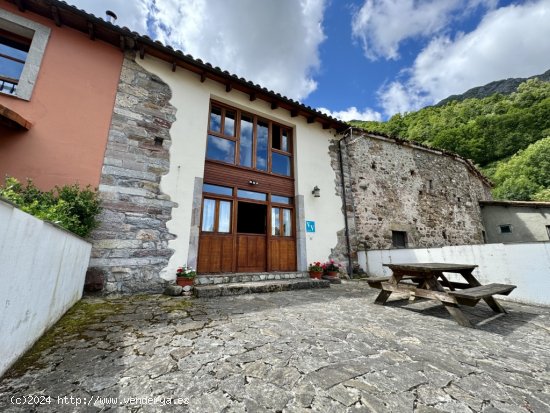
[(399, 186), (131, 245)]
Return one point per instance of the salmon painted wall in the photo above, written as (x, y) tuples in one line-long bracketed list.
[(70, 110)]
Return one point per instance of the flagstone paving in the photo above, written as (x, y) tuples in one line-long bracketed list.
[(328, 350)]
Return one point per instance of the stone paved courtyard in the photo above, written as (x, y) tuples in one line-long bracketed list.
[(328, 350)]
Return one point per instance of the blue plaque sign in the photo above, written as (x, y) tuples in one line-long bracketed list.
[(310, 226)]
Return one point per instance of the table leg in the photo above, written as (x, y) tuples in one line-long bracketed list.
[(452, 308), (384, 295), (491, 302)]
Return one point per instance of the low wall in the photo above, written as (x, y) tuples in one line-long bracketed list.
[(526, 265), (42, 271)]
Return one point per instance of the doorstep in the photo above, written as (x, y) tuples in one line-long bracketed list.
[(265, 286), (228, 278)]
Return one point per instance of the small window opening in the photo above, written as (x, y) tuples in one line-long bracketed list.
[(399, 239), (412, 172), (373, 165), (430, 184), (444, 233), (158, 141), (505, 229)]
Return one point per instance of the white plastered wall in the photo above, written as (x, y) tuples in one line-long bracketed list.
[(187, 153)]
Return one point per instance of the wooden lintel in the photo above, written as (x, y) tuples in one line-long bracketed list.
[(20, 5), (174, 65), (91, 31), (310, 119), (252, 97), (55, 16), (203, 77), (122, 43), (294, 113), (326, 126), (274, 105), (141, 51), (228, 87)]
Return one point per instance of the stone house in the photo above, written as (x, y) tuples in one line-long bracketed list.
[(202, 168)]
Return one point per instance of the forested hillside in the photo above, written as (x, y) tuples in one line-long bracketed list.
[(503, 134)]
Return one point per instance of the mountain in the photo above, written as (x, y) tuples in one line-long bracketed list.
[(505, 87)]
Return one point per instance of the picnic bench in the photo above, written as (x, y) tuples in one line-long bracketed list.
[(427, 280)]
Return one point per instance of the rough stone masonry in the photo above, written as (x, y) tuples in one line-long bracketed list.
[(131, 245)]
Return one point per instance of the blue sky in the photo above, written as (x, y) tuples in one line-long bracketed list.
[(361, 59)]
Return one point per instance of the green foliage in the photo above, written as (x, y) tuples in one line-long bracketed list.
[(487, 131), (69, 206), (526, 175)]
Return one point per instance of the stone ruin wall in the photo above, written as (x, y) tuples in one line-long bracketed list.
[(397, 186), (131, 245)]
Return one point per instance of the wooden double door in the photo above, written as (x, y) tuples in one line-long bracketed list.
[(246, 229)]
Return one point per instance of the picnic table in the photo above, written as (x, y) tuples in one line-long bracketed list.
[(427, 280)]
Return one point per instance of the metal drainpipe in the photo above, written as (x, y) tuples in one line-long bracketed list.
[(348, 244)]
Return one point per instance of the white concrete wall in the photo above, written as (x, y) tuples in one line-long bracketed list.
[(42, 271), (526, 265), (187, 154)]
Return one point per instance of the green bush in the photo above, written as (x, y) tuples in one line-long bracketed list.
[(69, 206)]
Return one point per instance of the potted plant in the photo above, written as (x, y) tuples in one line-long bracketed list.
[(185, 276), (315, 270), (331, 268)]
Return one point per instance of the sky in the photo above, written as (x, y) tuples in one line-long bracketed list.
[(352, 59)]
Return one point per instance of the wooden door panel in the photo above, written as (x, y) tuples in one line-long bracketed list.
[(283, 254), (251, 253), (215, 253)]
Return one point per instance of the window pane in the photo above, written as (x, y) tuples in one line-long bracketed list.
[(261, 146), (216, 189), (208, 211), (220, 149), (276, 137), (280, 164), (216, 119), (285, 141), (275, 222), (280, 199), (224, 223), (229, 125), (241, 193), (287, 223), (245, 146)]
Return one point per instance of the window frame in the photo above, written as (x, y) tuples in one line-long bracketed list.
[(39, 36), (256, 120), (217, 199)]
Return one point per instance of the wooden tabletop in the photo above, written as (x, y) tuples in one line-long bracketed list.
[(430, 266)]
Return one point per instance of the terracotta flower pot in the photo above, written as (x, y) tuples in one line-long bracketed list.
[(316, 274), (333, 273), (182, 281)]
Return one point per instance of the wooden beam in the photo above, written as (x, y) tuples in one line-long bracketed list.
[(228, 87), (294, 113), (55, 16), (203, 77), (310, 119), (20, 5), (274, 105), (326, 126), (141, 51), (252, 97), (91, 31), (174, 65), (122, 43)]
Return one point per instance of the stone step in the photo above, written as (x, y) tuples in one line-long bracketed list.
[(270, 286), (211, 279)]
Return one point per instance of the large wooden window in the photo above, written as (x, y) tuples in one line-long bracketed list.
[(249, 141)]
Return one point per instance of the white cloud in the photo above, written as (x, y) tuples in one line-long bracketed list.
[(272, 43), (381, 25), (509, 42), (352, 113)]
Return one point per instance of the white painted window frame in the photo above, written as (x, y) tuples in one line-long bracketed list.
[(40, 35)]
